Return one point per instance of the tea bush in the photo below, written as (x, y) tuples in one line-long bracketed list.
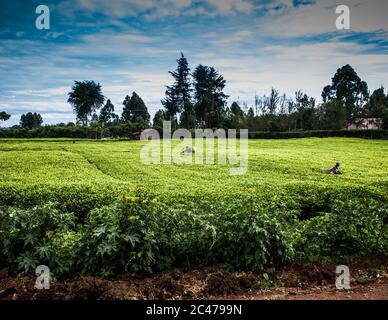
[(350, 228), (94, 208)]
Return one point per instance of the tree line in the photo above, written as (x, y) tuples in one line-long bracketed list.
[(197, 100)]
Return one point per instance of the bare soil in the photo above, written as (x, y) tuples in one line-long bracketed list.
[(307, 281)]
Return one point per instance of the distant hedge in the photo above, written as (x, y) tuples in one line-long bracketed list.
[(48, 132), (126, 131), (365, 134), (74, 132)]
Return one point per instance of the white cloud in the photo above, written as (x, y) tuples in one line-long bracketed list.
[(229, 7), (156, 9), (320, 17), (49, 92)]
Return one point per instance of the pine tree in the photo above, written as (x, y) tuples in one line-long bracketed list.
[(107, 114), (159, 117), (135, 109), (178, 96), (209, 96)]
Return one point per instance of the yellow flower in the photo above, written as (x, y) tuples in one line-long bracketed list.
[(252, 190), (144, 202), (131, 199), (154, 201)]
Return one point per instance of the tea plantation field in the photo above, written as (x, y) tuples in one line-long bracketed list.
[(94, 207), (37, 171)]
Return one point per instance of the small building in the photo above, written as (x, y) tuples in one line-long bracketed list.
[(366, 124)]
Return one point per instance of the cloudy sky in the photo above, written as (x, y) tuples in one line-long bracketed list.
[(130, 45)]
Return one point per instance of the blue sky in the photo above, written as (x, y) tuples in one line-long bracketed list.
[(131, 45)]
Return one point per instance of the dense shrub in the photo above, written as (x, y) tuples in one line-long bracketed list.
[(140, 234), (30, 237), (349, 228), (76, 132), (254, 232), (123, 236)]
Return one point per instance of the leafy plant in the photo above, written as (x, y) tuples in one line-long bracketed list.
[(26, 236), (351, 228)]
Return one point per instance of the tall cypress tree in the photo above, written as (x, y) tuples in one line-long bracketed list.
[(178, 96)]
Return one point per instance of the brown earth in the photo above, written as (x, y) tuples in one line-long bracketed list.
[(308, 281)]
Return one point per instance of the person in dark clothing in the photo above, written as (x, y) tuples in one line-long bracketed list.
[(335, 169)]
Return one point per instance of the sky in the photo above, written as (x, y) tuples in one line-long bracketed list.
[(130, 45)]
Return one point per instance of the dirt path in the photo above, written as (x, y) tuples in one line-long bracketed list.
[(372, 291), (308, 281)]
